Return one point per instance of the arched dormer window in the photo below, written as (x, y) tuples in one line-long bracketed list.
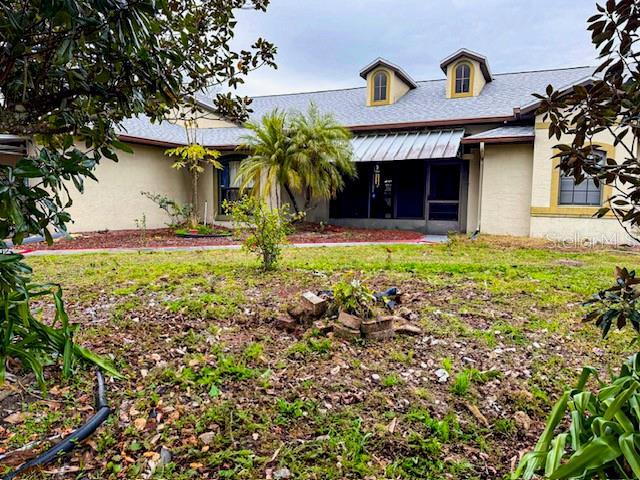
[(463, 80), (380, 93)]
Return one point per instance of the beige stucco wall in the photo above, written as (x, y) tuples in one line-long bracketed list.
[(207, 194), (114, 202), (506, 189), (567, 222), (201, 119), (579, 231), (473, 193)]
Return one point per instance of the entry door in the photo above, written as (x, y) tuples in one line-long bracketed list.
[(382, 192), (443, 198)]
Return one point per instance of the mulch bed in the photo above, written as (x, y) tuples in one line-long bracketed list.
[(165, 237)]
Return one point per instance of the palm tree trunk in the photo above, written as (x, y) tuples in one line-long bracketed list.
[(194, 200), (307, 199), (293, 199)]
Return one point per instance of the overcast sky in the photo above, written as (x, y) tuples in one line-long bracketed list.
[(322, 44)]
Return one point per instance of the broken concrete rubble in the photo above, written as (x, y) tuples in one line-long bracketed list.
[(314, 309), (346, 333), (311, 308), (350, 321), (376, 325)]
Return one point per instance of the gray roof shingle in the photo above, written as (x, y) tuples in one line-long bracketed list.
[(426, 103)]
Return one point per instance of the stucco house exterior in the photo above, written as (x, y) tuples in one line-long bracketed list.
[(465, 152)]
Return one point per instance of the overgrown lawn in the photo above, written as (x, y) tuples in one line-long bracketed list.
[(211, 380)]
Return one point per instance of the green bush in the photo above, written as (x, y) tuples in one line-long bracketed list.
[(178, 212), (354, 298), (267, 227)]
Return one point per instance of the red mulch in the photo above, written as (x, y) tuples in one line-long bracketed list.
[(164, 237)]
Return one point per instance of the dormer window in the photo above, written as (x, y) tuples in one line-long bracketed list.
[(380, 87), (463, 79), (386, 83), (467, 73)]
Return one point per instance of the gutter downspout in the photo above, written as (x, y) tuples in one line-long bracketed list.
[(480, 181)]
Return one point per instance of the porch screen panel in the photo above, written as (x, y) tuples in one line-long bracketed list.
[(353, 200), (228, 183), (410, 185)]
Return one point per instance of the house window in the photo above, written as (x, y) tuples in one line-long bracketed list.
[(583, 193), (463, 78), (381, 87), (228, 184)]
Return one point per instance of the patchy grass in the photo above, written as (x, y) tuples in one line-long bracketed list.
[(211, 380)]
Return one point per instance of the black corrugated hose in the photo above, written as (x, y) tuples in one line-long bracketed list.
[(74, 439)]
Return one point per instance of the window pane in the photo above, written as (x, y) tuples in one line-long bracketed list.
[(566, 197), (580, 198), (584, 193), (380, 87), (593, 198), (581, 187)]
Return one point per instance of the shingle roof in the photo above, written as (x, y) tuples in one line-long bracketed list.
[(426, 103)]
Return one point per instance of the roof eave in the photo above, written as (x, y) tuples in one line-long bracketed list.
[(431, 123), (532, 106), (147, 141), (498, 140), (404, 76), (481, 59)]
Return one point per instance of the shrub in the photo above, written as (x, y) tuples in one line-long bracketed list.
[(178, 212), (354, 298), (267, 227)]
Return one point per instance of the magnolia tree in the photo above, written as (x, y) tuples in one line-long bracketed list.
[(602, 438), (70, 73)]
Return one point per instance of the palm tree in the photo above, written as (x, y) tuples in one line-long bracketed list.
[(323, 154), (311, 154), (271, 159)]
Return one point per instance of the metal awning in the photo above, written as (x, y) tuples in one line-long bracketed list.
[(13, 145), (388, 147)]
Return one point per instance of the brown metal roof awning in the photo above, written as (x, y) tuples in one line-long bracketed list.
[(389, 147)]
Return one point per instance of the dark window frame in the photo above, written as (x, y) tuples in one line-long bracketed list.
[(462, 78), (380, 86)]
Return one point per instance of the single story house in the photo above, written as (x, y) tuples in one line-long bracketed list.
[(465, 153)]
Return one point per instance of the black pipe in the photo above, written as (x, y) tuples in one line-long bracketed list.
[(70, 442)]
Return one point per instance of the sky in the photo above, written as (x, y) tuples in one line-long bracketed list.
[(323, 44)]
